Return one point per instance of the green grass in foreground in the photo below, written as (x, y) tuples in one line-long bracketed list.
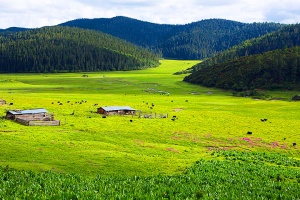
[(239, 176), (87, 144)]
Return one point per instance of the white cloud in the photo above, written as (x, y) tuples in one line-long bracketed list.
[(36, 13)]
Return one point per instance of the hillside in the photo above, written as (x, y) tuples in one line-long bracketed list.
[(288, 36), (278, 69), (138, 32), (197, 40), (64, 49)]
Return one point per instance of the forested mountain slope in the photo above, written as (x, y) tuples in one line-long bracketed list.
[(64, 49), (269, 62), (203, 39), (278, 69), (197, 40), (288, 36), (138, 32)]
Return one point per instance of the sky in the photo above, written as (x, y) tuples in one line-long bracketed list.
[(39, 13)]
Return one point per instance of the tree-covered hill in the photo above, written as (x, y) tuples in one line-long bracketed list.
[(203, 39), (278, 69), (12, 30), (138, 32), (288, 36), (197, 40), (65, 49)]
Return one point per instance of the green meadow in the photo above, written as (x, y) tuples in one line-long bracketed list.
[(207, 120)]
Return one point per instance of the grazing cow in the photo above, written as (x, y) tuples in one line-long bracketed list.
[(11, 104), (173, 118), (294, 144), (103, 116), (131, 120), (249, 133)]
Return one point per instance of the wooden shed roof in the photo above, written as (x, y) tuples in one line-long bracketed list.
[(23, 112), (115, 108)]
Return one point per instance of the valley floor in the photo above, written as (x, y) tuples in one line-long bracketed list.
[(200, 121)]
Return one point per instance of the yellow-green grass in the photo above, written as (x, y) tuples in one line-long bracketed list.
[(206, 119)]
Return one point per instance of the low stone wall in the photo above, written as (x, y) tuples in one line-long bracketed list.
[(44, 123), (38, 123)]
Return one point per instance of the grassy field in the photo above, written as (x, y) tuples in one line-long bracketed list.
[(85, 143)]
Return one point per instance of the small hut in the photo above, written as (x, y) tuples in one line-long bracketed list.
[(35, 117), (2, 102), (116, 110)]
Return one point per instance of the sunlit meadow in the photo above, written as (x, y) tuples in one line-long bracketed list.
[(205, 119)]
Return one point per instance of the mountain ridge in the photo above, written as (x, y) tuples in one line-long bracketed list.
[(189, 41), (196, 40)]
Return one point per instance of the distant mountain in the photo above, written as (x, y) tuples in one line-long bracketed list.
[(12, 30), (65, 49), (197, 40), (271, 61), (138, 32)]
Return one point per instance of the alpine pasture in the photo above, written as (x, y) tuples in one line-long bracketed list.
[(200, 121)]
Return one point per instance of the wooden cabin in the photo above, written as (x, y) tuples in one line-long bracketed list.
[(2, 102), (39, 113), (116, 110), (35, 117)]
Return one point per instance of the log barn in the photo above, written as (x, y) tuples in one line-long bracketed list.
[(116, 110)]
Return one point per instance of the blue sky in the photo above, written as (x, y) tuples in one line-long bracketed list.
[(38, 13)]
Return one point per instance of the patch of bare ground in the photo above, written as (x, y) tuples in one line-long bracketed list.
[(185, 136), (172, 150), (141, 143), (177, 109)]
